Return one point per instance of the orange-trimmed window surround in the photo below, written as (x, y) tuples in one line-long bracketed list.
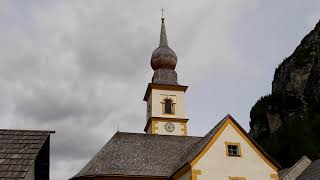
[(233, 149), (237, 178), (274, 176)]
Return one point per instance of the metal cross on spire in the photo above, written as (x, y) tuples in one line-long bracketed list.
[(162, 14)]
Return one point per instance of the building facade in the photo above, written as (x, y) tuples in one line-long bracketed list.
[(166, 151)]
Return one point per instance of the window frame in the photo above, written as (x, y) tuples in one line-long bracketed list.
[(274, 176), (237, 178), (233, 144), (173, 109)]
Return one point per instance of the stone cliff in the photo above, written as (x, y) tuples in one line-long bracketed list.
[(287, 122)]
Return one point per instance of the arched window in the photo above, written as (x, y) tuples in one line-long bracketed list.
[(168, 106)]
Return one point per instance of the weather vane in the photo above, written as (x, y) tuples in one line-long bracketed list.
[(162, 14)]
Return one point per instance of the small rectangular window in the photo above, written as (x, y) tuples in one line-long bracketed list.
[(233, 149)]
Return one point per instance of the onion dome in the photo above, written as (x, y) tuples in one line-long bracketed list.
[(164, 61), (163, 57)]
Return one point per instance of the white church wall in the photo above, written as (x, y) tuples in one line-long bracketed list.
[(157, 97), (215, 164)]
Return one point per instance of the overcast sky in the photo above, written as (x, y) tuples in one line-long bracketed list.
[(81, 67)]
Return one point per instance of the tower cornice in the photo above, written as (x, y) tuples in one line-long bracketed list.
[(163, 87)]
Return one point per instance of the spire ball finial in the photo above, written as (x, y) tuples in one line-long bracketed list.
[(162, 15)]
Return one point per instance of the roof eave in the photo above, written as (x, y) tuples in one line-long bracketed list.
[(118, 176), (163, 87), (25, 130)]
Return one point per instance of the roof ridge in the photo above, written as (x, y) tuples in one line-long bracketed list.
[(118, 132), (28, 130)]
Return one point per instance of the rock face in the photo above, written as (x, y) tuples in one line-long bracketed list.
[(298, 75), (291, 112)]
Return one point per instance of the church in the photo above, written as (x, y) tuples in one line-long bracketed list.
[(166, 152)]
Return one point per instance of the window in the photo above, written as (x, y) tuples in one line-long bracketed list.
[(233, 149), (168, 103), (168, 106)]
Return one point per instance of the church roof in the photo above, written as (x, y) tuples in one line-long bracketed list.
[(303, 169), (133, 154), (19, 150), (312, 172)]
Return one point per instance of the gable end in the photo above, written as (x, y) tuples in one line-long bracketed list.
[(228, 120)]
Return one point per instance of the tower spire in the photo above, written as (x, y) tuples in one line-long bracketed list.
[(164, 60), (163, 34)]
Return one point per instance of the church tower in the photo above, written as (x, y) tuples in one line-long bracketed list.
[(164, 96)]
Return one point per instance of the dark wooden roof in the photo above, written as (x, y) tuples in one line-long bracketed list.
[(283, 172), (133, 154), (312, 172), (18, 151)]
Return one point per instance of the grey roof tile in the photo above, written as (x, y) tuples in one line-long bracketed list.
[(18, 150), (312, 172), (139, 155)]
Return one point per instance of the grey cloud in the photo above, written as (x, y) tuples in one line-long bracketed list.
[(46, 106), (81, 67)]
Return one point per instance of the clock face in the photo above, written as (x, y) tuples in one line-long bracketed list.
[(169, 127)]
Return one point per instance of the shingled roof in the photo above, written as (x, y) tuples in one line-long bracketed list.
[(303, 169), (18, 151), (133, 154), (312, 172)]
